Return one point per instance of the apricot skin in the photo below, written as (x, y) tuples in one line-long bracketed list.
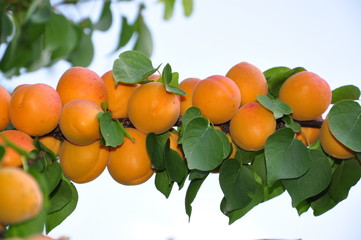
[(152, 109), (251, 126), (129, 163), (79, 123), (118, 95), (331, 145), (307, 94), (85, 163), (20, 196), (250, 81), (81, 83), (187, 85), (35, 109), (217, 97), (4, 107), (20, 139)]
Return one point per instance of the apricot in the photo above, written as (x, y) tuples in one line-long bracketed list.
[(251, 126), (35, 109), (20, 196), (4, 108), (309, 135), (20, 139), (331, 145), (52, 143), (79, 123), (307, 94), (83, 163), (187, 85), (250, 81), (118, 95), (152, 109), (129, 163), (81, 83), (173, 144), (217, 97)]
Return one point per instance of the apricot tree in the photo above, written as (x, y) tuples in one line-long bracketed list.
[(255, 147)]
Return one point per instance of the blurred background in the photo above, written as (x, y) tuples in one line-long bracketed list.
[(322, 36)]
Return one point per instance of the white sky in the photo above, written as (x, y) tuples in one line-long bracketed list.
[(322, 36)]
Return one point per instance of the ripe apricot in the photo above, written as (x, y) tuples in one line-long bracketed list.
[(307, 94), (173, 144), (251, 126), (20, 139), (84, 163), (118, 95), (52, 143), (187, 85), (331, 145), (20, 196), (79, 123), (81, 83), (152, 109), (129, 163), (4, 107), (308, 135), (250, 81), (35, 109), (217, 97)]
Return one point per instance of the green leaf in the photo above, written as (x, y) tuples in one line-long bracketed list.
[(275, 81), (67, 47), (56, 218), (313, 182), (345, 123), (163, 183), (201, 145), (346, 175), (60, 197), (276, 106), (171, 81), (168, 8), (132, 67), (53, 174), (126, 33), (190, 114), (83, 53), (286, 157), (187, 7), (39, 11), (275, 71), (110, 130), (197, 174), (290, 123), (191, 194), (106, 18), (345, 92), (156, 149), (303, 207), (27, 228), (144, 42), (7, 27), (322, 204), (2, 152), (175, 166), (226, 145), (237, 183), (56, 24)]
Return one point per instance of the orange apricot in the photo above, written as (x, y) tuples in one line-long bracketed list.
[(250, 81), (307, 94), (251, 126), (118, 95), (4, 107), (79, 123), (52, 143), (35, 109), (129, 163), (20, 196), (83, 163), (331, 145), (309, 135), (20, 139), (187, 85), (217, 97), (81, 83), (152, 109)]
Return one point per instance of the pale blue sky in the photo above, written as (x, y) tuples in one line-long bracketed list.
[(322, 36)]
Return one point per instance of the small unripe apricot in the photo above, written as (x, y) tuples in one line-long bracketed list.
[(251, 126), (217, 97)]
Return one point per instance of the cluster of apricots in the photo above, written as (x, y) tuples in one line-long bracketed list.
[(35, 110)]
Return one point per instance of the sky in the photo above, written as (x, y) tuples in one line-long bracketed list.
[(322, 36)]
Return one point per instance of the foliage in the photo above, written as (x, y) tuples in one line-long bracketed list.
[(39, 33)]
